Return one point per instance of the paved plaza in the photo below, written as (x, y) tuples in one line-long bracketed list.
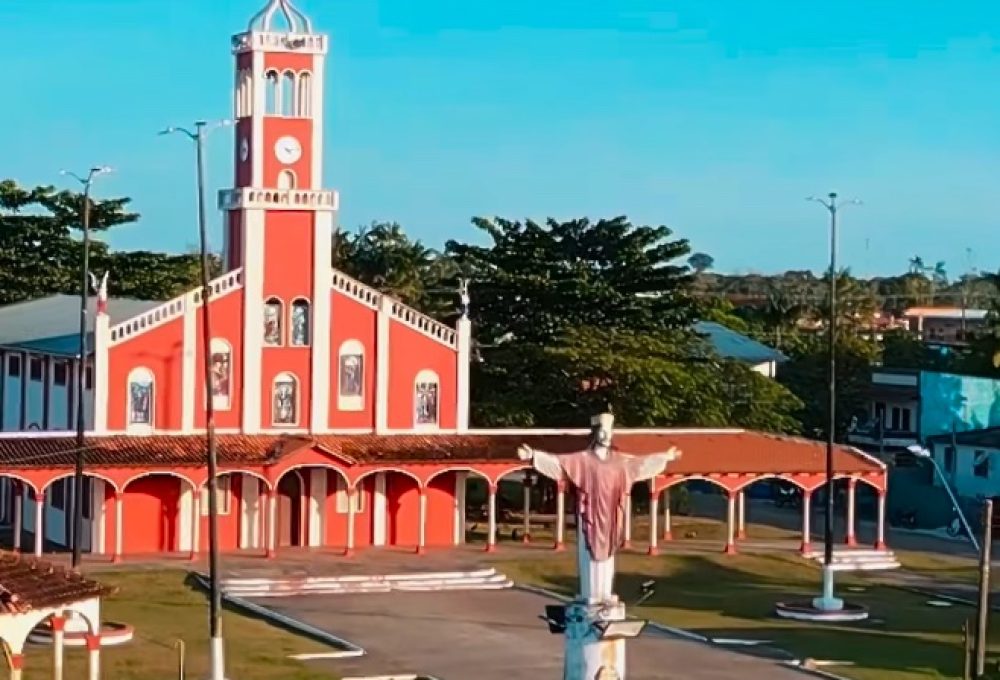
[(491, 635)]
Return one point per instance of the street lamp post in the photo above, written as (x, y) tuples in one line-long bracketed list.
[(828, 601), (217, 659), (921, 452), (77, 509)]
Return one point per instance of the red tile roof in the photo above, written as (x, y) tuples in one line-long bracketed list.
[(703, 452), (28, 584)]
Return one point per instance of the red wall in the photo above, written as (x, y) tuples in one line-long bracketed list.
[(150, 515), (441, 510), (402, 509), (336, 522), (351, 320), (275, 129), (244, 169), (159, 350), (287, 60), (227, 324), (234, 240), (409, 353)]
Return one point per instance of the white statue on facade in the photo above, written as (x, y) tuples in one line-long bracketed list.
[(602, 477)]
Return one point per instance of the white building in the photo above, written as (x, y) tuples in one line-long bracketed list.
[(970, 461)]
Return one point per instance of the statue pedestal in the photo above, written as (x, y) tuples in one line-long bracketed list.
[(587, 656)]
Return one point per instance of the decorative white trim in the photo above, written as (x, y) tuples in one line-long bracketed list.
[(316, 101), (246, 198), (320, 322), (356, 290), (378, 510), (464, 358), (260, 41), (381, 405), (317, 507), (99, 393), (257, 150), (189, 351), (253, 316)]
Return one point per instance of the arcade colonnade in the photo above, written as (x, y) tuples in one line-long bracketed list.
[(331, 505)]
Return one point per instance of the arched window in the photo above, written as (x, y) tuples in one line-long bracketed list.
[(272, 93), (425, 399), (285, 400), (300, 323), (288, 94), (140, 397), (305, 95), (286, 180), (272, 322), (351, 379), (222, 374)]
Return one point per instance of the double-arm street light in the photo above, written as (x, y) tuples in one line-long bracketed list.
[(77, 510), (921, 452), (198, 136), (828, 601)]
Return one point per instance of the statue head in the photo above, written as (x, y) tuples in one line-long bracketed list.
[(602, 430)]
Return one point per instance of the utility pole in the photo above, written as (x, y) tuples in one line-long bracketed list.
[(77, 496), (983, 612), (828, 601), (216, 653)]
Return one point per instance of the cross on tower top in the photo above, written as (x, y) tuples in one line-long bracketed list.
[(265, 19)]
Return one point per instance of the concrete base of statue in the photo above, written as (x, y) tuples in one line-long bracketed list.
[(827, 608), (587, 656)]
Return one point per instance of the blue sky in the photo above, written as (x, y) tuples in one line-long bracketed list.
[(715, 118)]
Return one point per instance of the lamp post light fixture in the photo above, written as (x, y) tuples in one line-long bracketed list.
[(924, 453), (828, 602), (77, 508), (217, 659)]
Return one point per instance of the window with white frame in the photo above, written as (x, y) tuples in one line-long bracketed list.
[(223, 496), (285, 400), (287, 92), (141, 394), (426, 394), (273, 311), (342, 496), (304, 100), (287, 180), (272, 93), (222, 374), (244, 93), (300, 331), (351, 376)]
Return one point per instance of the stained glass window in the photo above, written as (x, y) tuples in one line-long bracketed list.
[(140, 401), (272, 322), (285, 406), (426, 398), (300, 323)]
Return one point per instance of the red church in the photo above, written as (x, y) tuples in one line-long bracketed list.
[(343, 414)]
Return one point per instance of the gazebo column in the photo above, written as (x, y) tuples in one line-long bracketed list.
[(39, 523), (741, 507), (850, 539), (526, 537), (806, 547), (271, 499), (730, 548), (18, 515), (195, 525), (352, 494), (16, 666), (93, 657), (491, 509), (422, 523), (628, 521), (668, 534), (116, 558), (654, 515), (560, 515), (880, 524), (58, 623)]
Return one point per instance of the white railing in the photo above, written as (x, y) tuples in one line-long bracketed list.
[(366, 295), (173, 309), (280, 199), (423, 323), (305, 43)]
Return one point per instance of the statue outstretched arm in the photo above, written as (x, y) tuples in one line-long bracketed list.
[(546, 463), (647, 467)]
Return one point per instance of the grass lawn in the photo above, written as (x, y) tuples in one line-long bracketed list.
[(734, 597), (164, 609)]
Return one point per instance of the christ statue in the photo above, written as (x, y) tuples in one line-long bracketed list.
[(602, 477)]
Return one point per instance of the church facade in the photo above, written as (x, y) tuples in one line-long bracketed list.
[(342, 414)]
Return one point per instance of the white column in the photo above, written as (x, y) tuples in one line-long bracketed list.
[(464, 357), (654, 515), (48, 388), (628, 520), (196, 524), (560, 516), (189, 361), (58, 645), (850, 538), (321, 304), (806, 548), (741, 530), (526, 538), (731, 524), (491, 508), (119, 502), (39, 524), (668, 534), (316, 102), (382, 366), (880, 524), (317, 507), (16, 666), (422, 524), (19, 497), (272, 517), (93, 657), (352, 494), (458, 517), (379, 507), (102, 340), (253, 287)]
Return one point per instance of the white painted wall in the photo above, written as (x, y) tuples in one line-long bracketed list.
[(963, 479)]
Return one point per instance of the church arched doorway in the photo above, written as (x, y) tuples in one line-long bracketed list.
[(289, 519)]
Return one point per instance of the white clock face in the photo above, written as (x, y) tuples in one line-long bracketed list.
[(244, 150), (288, 150)]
